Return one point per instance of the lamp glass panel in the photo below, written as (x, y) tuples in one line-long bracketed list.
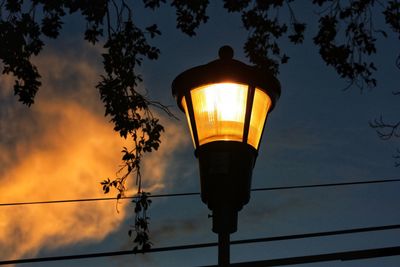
[(261, 105), (219, 111), (188, 119)]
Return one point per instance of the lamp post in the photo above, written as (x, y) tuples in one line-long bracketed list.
[(226, 103)]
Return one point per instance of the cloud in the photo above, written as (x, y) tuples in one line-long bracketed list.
[(62, 148), (65, 159), (6, 85)]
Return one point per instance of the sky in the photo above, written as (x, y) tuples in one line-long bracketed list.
[(63, 146)]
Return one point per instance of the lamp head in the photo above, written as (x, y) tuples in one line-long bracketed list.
[(226, 103)]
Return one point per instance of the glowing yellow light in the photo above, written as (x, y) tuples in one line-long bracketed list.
[(261, 105), (224, 101), (220, 110)]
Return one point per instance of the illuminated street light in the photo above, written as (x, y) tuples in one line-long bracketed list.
[(226, 103)]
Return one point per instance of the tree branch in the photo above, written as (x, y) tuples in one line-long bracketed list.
[(385, 130), (397, 158)]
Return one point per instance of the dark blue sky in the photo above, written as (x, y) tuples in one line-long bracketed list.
[(317, 133)]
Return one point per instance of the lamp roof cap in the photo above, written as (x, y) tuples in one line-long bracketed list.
[(225, 69)]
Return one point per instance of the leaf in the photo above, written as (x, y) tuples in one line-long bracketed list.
[(284, 59), (92, 34), (51, 25), (153, 3), (153, 30), (146, 247), (104, 182), (236, 5)]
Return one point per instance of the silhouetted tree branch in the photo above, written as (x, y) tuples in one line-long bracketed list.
[(385, 130), (397, 158)]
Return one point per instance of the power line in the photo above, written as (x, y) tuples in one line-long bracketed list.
[(196, 193), (319, 234), (342, 256), (204, 245), (327, 185)]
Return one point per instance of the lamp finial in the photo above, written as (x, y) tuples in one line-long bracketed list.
[(225, 52)]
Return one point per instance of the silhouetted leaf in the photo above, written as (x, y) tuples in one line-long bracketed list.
[(190, 14), (51, 25), (153, 4), (236, 5), (284, 59), (153, 30)]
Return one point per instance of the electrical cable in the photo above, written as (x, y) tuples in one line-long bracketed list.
[(196, 193), (204, 245), (342, 256)]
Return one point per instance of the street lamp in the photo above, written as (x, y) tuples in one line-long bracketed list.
[(226, 103)]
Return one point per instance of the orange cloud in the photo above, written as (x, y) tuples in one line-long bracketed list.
[(61, 149), (6, 85), (65, 159)]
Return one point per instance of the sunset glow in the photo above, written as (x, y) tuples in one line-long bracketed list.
[(59, 149)]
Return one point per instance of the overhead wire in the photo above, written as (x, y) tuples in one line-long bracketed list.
[(311, 258), (336, 256), (393, 250), (197, 193)]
